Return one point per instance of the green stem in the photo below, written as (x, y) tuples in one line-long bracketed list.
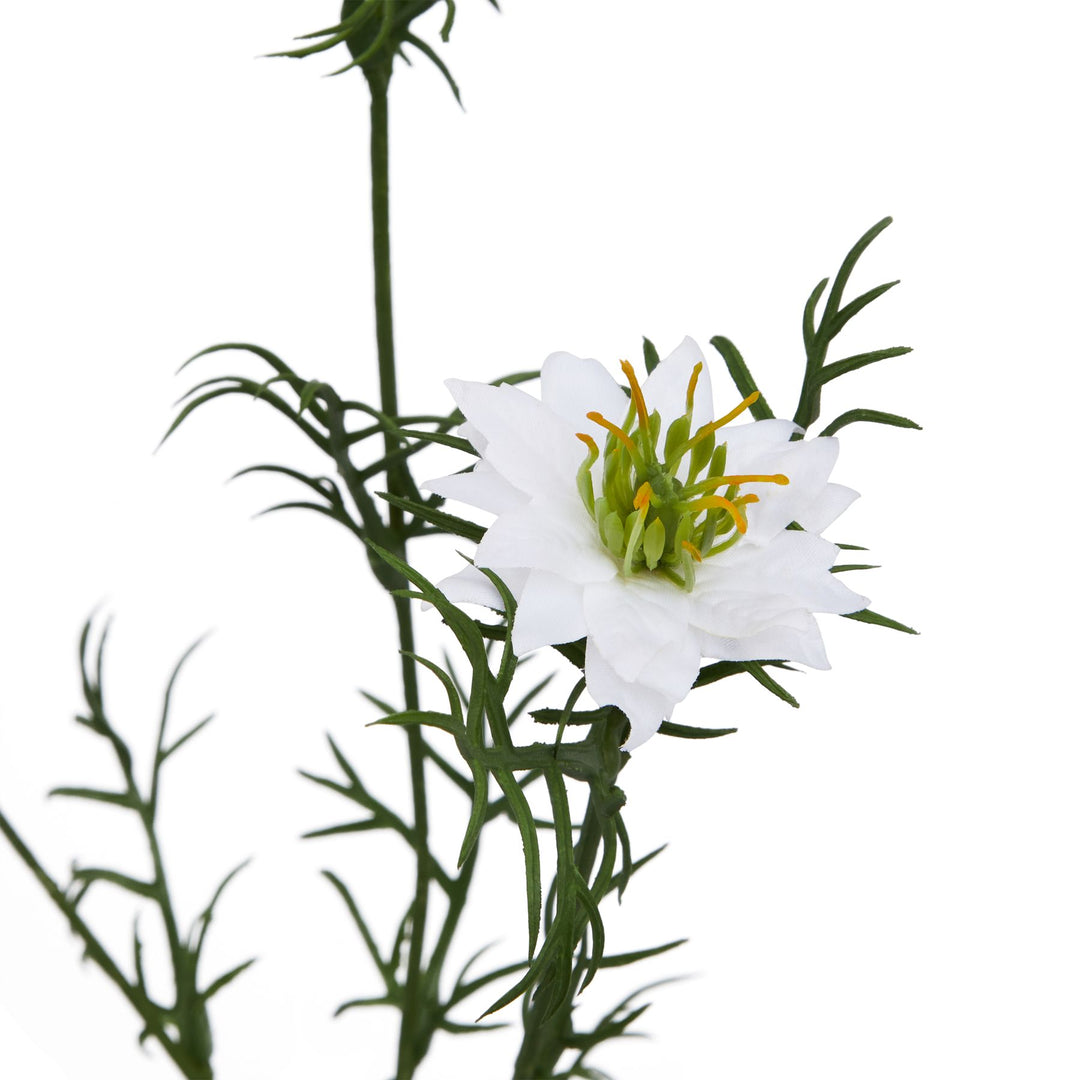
[(543, 1041), (417, 1014)]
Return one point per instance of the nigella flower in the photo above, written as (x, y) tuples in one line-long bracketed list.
[(645, 526)]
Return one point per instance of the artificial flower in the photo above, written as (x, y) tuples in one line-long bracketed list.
[(643, 525)]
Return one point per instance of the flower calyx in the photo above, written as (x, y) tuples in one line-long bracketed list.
[(665, 511)]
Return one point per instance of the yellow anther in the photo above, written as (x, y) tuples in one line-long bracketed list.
[(707, 429), (636, 394), (643, 496), (714, 502), (724, 481), (692, 386), (694, 553), (615, 430)]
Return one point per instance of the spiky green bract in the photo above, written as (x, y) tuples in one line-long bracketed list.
[(182, 1027), (817, 339), (375, 31)]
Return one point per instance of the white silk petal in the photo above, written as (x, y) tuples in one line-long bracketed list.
[(665, 389), (483, 488), (571, 388), (807, 465), (531, 447), (630, 620), (742, 591), (558, 536), (827, 507), (800, 642), (550, 612), (646, 709), (470, 586)]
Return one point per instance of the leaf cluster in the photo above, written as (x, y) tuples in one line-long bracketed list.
[(182, 1027), (570, 951), (818, 334), (329, 422)]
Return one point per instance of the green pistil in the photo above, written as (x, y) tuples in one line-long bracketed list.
[(646, 516)]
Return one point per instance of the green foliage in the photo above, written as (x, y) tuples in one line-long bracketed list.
[(478, 718), (377, 31), (183, 1026)]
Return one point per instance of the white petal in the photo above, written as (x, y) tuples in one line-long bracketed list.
[(646, 709), (469, 586), (665, 389), (649, 698), (468, 432), (529, 445), (483, 488), (631, 619), (807, 465), (742, 591), (550, 611), (572, 387), (555, 535), (828, 506), (800, 642), (746, 443)]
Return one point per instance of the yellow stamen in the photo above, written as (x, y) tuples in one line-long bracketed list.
[(618, 432), (713, 502), (636, 394), (707, 429), (644, 494), (694, 553), (588, 440), (723, 481), (692, 386)]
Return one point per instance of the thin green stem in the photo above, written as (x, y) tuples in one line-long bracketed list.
[(418, 1013)]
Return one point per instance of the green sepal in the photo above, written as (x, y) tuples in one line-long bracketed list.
[(853, 363), (687, 731), (652, 357), (442, 721), (123, 881), (872, 416), (741, 377), (440, 437), (622, 959), (449, 523), (223, 980), (770, 684), (116, 798), (307, 394), (872, 617)]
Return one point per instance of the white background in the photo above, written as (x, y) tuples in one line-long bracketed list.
[(882, 883)]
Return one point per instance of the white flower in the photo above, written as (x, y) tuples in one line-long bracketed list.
[(663, 547)]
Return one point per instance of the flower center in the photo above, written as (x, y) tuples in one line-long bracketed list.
[(649, 518)]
